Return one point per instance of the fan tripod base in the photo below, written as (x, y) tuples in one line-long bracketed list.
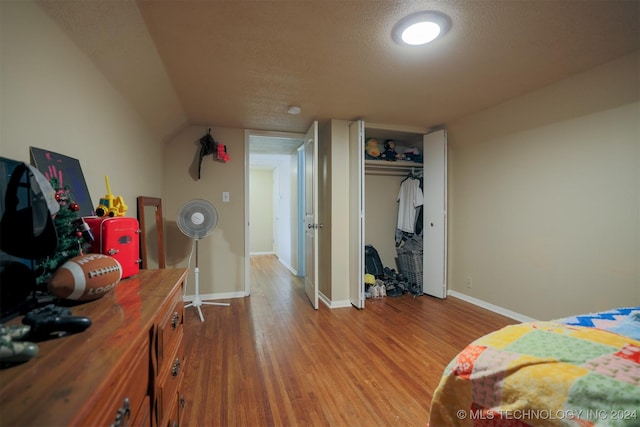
[(197, 302)]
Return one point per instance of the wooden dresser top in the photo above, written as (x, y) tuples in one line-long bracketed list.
[(52, 388)]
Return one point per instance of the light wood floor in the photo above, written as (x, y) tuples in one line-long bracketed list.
[(271, 360)]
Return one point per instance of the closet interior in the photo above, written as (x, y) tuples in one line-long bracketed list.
[(399, 244)]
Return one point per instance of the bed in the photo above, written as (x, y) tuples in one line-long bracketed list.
[(577, 371)]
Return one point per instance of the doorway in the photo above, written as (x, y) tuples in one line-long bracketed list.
[(272, 192)]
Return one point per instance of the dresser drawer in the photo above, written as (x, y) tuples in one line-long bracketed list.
[(176, 412), (173, 420), (169, 384), (143, 418), (182, 403), (124, 400), (169, 330), (109, 374)]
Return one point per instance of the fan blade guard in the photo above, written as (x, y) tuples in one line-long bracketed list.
[(197, 218)]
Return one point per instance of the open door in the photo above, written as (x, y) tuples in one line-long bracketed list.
[(435, 214), (356, 209), (311, 214)]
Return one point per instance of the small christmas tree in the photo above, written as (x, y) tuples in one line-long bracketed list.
[(71, 242)]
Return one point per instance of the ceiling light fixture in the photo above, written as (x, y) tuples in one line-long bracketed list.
[(294, 109), (421, 28)]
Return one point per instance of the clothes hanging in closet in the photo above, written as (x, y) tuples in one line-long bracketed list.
[(410, 197)]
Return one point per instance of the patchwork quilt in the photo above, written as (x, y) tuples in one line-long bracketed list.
[(623, 321), (578, 371)]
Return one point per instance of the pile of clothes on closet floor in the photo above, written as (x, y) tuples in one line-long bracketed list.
[(383, 281)]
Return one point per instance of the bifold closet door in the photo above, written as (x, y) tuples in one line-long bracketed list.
[(435, 214), (356, 214)]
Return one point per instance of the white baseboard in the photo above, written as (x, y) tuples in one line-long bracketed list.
[(333, 304), (213, 297), (261, 253), (322, 297), (496, 309), (341, 304), (288, 267)]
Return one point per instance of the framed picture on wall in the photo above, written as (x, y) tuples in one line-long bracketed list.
[(69, 174)]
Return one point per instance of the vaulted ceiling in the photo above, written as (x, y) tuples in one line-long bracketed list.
[(242, 63)]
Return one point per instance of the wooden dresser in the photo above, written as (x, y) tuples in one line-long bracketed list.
[(125, 370)]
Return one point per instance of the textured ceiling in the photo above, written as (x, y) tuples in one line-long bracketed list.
[(270, 145), (242, 63)]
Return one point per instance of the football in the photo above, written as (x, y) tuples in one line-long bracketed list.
[(85, 277)]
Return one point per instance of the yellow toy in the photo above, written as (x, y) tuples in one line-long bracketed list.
[(371, 149), (111, 205)]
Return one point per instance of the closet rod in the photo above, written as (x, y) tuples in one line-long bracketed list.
[(386, 172), (390, 168)]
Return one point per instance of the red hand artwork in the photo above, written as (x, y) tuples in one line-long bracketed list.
[(53, 172)]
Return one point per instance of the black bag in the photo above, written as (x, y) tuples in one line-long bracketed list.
[(27, 232), (372, 262)]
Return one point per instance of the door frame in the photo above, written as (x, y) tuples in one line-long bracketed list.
[(248, 133)]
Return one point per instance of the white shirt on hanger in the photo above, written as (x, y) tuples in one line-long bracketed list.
[(409, 198)]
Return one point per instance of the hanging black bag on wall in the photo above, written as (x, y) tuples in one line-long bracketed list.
[(372, 262)]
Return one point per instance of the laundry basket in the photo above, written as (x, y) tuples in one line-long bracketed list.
[(410, 264)]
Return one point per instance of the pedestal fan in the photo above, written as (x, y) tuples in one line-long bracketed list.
[(197, 219)]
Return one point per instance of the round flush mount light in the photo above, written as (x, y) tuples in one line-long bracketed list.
[(294, 109), (421, 28)]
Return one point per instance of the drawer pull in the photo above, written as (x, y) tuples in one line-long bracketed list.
[(183, 402), (176, 368), (175, 319), (123, 414)]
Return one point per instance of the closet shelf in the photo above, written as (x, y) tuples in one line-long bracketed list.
[(383, 167)]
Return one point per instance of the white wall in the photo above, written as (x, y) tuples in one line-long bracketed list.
[(545, 197), (294, 213), (335, 198), (53, 97), (284, 242), (261, 211), (222, 255)]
